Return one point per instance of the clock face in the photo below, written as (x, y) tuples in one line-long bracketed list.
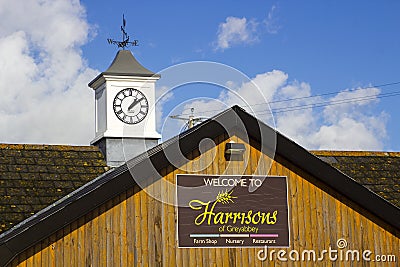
[(130, 106)]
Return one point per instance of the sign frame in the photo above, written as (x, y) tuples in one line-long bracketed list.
[(234, 176)]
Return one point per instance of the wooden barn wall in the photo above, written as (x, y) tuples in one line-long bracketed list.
[(134, 229)]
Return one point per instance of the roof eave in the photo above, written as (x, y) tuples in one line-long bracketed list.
[(102, 77)]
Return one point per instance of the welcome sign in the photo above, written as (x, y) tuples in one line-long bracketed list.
[(232, 211)]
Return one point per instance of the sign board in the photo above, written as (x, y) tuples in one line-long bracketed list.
[(232, 211)]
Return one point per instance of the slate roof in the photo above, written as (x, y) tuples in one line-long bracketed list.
[(34, 176), (378, 171)]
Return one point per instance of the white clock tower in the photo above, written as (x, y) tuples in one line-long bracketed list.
[(124, 109)]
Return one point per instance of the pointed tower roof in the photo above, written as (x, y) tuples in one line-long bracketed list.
[(125, 64)]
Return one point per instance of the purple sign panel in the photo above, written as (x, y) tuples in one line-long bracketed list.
[(232, 211)]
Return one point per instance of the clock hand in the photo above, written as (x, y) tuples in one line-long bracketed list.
[(134, 103)]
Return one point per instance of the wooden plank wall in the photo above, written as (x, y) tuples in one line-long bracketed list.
[(134, 229)]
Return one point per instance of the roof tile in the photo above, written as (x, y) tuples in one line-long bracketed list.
[(69, 154), (7, 160), (17, 168), (45, 161), (24, 161), (36, 168), (6, 175)]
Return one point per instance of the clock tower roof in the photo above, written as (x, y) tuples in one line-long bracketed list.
[(125, 64)]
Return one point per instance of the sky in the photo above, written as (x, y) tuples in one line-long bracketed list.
[(341, 59)]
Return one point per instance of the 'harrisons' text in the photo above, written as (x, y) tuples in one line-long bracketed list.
[(210, 217)]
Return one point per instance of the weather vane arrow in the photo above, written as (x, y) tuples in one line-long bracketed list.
[(125, 37)]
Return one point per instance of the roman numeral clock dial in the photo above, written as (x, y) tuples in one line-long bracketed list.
[(130, 106)]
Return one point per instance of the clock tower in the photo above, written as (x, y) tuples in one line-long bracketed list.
[(125, 118)]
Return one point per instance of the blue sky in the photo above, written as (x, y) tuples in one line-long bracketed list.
[(314, 47), (332, 45)]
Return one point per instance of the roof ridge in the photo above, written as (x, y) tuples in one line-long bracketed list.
[(4, 146), (355, 153)]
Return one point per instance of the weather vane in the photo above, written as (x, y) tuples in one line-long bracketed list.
[(125, 37)]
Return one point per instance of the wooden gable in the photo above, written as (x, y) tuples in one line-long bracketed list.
[(135, 229)]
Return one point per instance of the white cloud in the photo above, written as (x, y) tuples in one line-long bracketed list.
[(344, 123), (236, 31), (248, 94), (43, 76), (345, 126), (296, 124), (270, 21), (244, 31), (267, 83), (163, 95), (350, 124), (350, 102), (349, 134)]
